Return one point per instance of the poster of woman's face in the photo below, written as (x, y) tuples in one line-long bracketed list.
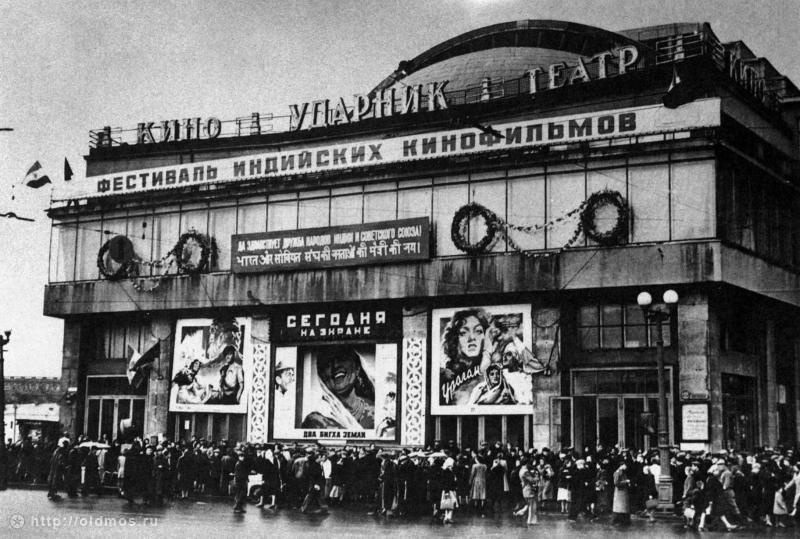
[(211, 366), (484, 360), (337, 391)]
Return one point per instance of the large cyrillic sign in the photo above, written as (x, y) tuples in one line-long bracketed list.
[(532, 132)]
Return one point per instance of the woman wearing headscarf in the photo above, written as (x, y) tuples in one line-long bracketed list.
[(495, 389), (529, 478), (447, 481), (477, 484), (345, 394)]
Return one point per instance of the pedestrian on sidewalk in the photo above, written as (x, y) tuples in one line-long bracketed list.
[(529, 478), (241, 472), (56, 476), (622, 504), (449, 499)]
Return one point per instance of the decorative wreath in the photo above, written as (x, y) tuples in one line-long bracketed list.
[(597, 201), (461, 220), (121, 252), (183, 263)]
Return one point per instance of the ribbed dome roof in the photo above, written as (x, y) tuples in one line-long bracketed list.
[(503, 52)]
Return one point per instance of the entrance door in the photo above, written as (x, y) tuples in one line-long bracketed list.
[(585, 417), (635, 423), (608, 421)]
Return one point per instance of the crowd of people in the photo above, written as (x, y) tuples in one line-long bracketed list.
[(722, 491)]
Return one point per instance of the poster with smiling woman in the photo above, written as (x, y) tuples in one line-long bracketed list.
[(341, 392), (483, 364)]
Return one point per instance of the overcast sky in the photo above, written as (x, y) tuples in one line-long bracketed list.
[(68, 67)]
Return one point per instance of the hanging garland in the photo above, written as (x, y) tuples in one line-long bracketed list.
[(587, 224), (458, 231), (121, 251), (598, 201), (184, 263)]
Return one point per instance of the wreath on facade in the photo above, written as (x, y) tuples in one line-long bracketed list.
[(459, 229), (184, 251), (588, 212), (599, 202), (120, 250)]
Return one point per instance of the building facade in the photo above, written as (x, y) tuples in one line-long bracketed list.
[(453, 255)]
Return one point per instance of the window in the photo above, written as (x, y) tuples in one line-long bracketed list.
[(252, 215), (612, 326), (221, 226), (346, 210), (314, 213), (649, 200)]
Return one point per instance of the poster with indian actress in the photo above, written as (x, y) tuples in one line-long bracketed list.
[(211, 365), (484, 360), (335, 392)]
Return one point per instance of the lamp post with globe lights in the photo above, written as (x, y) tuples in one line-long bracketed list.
[(657, 316)]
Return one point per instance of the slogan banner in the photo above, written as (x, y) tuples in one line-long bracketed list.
[(352, 245), (537, 131), (337, 323), (335, 392), (211, 366), (487, 356)]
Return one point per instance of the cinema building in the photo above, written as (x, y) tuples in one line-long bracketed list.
[(455, 254)]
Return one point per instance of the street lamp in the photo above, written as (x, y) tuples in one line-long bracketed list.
[(657, 315), (3, 457)]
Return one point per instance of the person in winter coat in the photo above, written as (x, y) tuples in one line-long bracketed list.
[(186, 473), (579, 485), (448, 483), (56, 475), (494, 487), (529, 479), (388, 484), (477, 485), (315, 485), (241, 473), (622, 504), (650, 492)]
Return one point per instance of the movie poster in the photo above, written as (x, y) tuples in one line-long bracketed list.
[(336, 392), (211, 366), (485, 359)]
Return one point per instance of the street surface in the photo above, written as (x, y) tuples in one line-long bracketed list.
[(28, 513)]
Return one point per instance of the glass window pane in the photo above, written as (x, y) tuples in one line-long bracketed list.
[(314, 212), (107, 418), (589, 338), (693, 200), (526, 208), (222, 225), (666, 332), (140, 232), (380, 206), (634, 314), (346, 210), (165, 234), (116, 349), (632, 382), (635, 336), (194, 219), (493, 196), (282, 215), (414, 203), (133, 336), (612, 315), (649, 190), (252, 215), (584, 383), (608, 381), (565, 193), (587, 316), (614, 179), (612, 337), (446, 201), (93, 424), (89, 237)]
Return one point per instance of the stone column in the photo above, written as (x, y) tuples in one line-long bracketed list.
[(158, 384), (698, 361), (770, 389), (70, 366)]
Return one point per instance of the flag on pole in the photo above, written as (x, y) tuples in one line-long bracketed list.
[(67, 171), (35, 178), (137, 362)]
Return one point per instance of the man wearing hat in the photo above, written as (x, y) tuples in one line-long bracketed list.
[(241, 472)]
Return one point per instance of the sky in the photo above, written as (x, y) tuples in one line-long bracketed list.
[(69, 67)]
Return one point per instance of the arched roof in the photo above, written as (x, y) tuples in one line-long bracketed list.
[(511, 43)]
